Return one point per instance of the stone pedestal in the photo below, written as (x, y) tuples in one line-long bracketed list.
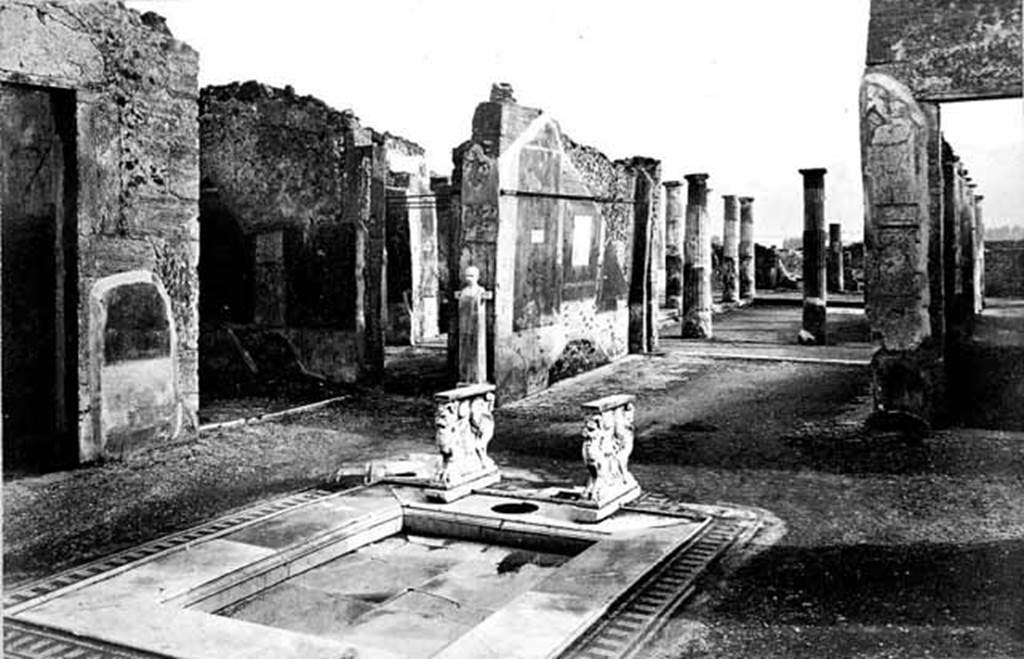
[(674, 221), (835, 259), (731, 250), (697, 261), (607, 444), (815, 296), (472, 329), (464, 420), (746, 250)]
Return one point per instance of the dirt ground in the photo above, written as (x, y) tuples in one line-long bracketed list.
[(884, 548)]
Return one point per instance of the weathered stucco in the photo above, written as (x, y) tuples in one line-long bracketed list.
[(137, 170), (549, 223)]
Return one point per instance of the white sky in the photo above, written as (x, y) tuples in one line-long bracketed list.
[(749, 91)]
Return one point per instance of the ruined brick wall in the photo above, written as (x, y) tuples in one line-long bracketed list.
[(948, 50), (136, 136), (1004, 268)]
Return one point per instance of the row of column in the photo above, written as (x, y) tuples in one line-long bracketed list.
[(688, 253)]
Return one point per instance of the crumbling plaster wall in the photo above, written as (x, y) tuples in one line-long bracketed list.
[(537, 221), (274, 163), (137, 156)]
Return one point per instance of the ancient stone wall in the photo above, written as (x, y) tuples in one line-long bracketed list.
[(274, 175), (549, 224), (137, 187), (945, 51), (1004, 268)]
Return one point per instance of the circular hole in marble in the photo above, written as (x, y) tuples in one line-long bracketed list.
[(514, 508)]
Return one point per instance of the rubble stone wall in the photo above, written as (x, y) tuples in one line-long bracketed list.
[(137, 148), (948, 50)]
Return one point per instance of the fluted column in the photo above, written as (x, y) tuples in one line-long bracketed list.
[(731, 250), (697, 260), (815, 295), (746, 250)]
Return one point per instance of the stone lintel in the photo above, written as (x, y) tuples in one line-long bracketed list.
[(465, 391), (609, 402)]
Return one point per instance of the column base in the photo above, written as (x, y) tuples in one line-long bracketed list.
[(697, 326)]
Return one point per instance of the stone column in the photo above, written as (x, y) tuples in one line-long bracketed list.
[(674, 245), (815, 296), (977, 249), (967, 245), (952, 284), (979, 246), (697, 261), (746, 250), (835, 258), (731, 250)]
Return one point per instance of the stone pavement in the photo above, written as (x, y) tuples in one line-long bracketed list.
[(885, 548)]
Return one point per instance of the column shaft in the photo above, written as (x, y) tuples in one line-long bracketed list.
[(674, 221), (835, 259), (731, 250), (815, 295), (746, 250), (697, 261)]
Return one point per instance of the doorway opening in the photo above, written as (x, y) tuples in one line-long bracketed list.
[(40, 300)]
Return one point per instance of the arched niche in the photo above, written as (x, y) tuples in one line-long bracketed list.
[(133, 374)]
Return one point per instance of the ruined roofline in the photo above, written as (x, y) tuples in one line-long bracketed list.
[(569, 144), (412, 147), (153, 21), (253, 90)]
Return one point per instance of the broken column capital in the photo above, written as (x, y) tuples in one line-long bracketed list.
[(672, 184)]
